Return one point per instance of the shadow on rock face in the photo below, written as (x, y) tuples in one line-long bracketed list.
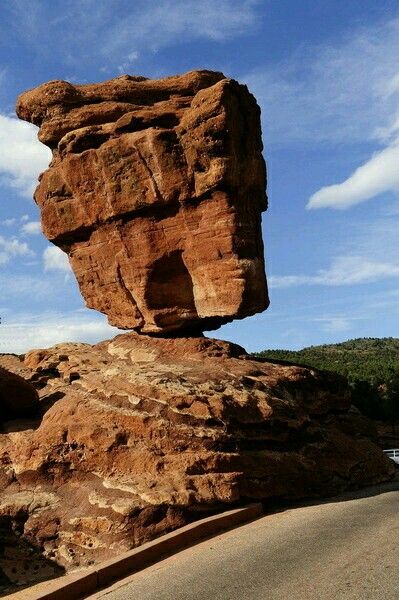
[(33, 420), (21, 564), (19, 402), (18, 399), (23, 399)]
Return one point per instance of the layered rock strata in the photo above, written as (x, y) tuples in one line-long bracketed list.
[(137, 436), (155, 191)]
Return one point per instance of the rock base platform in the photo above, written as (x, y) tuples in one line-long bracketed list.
[(137, 436)]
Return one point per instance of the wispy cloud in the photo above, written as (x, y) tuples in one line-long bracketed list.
[(9, 222), (20, 333), (31, 228), (162, 23), (334, 324), (375, 237), (125, 28), (11, 247), (343, 92), (344, 270), (54, 259), (378, 175), (22, 156), (128, 63)]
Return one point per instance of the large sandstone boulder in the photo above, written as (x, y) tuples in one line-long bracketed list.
[(155, 191), (140, 435)]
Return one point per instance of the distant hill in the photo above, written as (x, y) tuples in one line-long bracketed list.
[(370, 364), (368, 359)]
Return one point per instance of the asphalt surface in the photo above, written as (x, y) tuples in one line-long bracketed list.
[(336, 550)]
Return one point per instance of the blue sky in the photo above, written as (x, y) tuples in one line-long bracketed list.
[(326, 76)]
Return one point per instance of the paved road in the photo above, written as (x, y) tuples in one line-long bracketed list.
[(338, 550)]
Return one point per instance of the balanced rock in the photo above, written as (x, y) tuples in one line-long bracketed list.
[(155, 191), (140, 435)]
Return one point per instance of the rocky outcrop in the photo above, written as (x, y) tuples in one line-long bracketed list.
[(155, 191), (140, 435)]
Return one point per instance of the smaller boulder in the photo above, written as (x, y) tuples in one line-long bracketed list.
[(18, 398)]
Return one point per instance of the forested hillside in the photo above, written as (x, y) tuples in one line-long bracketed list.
[(370, 364)]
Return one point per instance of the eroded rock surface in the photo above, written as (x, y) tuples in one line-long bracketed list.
[(155, 191), (140, 435)]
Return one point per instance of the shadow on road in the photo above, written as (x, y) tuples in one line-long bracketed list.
[(272, 506), (21, 565)]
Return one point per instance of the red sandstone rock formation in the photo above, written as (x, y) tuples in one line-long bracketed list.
[(141, 435), (155, 191)]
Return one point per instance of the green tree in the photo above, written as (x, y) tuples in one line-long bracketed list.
[(371, 366), (366, 398), (391, 401)]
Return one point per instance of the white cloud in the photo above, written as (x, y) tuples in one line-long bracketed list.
[(378, 175), (9, 222), (22, 156), (11, 247), (54, 259), (345, 270), (20, 333), (31, 228)]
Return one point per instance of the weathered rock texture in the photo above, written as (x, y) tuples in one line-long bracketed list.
[(137, 436), (155, 191)]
